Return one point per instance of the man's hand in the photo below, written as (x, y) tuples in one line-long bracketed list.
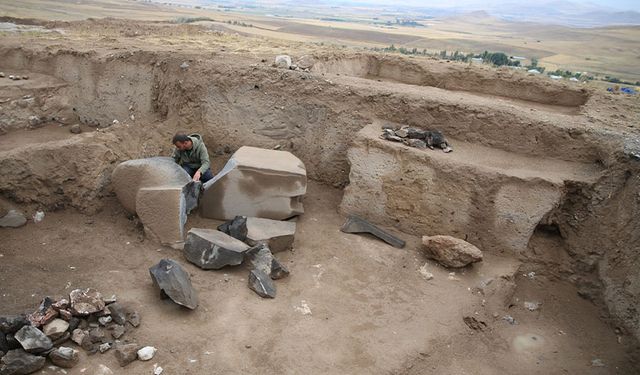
[(196, 176)]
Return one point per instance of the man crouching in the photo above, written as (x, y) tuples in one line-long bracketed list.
[(191, 154)]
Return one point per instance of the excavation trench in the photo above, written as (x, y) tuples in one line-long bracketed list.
[(530, 184)]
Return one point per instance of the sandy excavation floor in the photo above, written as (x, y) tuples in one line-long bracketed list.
[(352, 304)]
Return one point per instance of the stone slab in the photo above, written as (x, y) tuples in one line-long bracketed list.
[(256, 182), (279, 235), (174, 282), (212, 249)]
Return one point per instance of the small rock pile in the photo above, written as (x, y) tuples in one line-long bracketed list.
[(303, 64), (14, 77), (94, 323), (417, 138)]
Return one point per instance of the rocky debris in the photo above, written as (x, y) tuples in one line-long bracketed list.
[(426, 274), (62, 339), (283, 61), (13, 219), (278, 270), (509, 319), (157, 370), (160, 192), (1, 74), (146, 353), (417, 138), (117, 331), (64, 357), (261, 258), (260, 283), (55, 329), (118, 313), (306, 62), (532, 306), (450, 251), (278, 235), (104, 320), (33, 340), (4, 346), (277, 180), (126, 354), (174, 282), (184, 65), (212, 249), (104, 347), (78, 336), (355, 224), (85, 302), (75, 129), (19, 362), (12, 323), (133, 318), (474, 324), (35, 121)]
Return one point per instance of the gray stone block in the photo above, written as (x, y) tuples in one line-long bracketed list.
[(33, 340), (19, 362), (261, 283), (212, 249), (174, 282)]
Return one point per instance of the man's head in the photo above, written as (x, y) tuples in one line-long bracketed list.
[(182, 142)]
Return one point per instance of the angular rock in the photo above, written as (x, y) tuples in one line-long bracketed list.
[(62, 339), (278, 235), (118, 313), (402, 133), (354, 224), (33, 340), (256, 182), (45, 313), (117, 331), (236, 228), (65, 314), (212, 249), (19, 362), (126, 354), (85, 302), (146, 353), (414, 133), (12, 343), (133, 318), (417, 143), (306, 62), (97, 336), (278, 270), (12, 323), (78, 336), (13, 219), (174, 282), (104, 320), (261, 283), (64, 357), (104, 347), (73, 324), (450, 251), (283, 61), (160, 192), (260, 258), (55, 329)]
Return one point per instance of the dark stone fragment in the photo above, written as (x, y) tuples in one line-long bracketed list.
[(12, 343), (354, 224), (97, 335), (126, 354), (45, 313), (4, 346), (12, 323), (175, 282), (473, 323), (118, 313), (66, 336), (33, 340), (117, 331), (134, 318), (260, 283), (191, 192), (19, 362), (278, 270), (212, 249), (236, 228), (73, 324), (414, 133)]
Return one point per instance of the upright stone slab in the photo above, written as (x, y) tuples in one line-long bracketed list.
[(212, 249), (256, 182), (160, 192), (174, 282)]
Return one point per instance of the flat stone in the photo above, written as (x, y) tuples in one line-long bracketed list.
[(44, 314), (133, 318), (278, 235), (160, 192), (13, 219), (261, 283), (55, 329), (117, 331), (33, 340), (118, 313), (355, 224), (19, 362), (64, 357), (256, 182), (212, 249), (450, 251), (12, 323), (126, 354), (85, 302), (78, 335), (402, 133), (146, 353), (175, 282), (417, 143)]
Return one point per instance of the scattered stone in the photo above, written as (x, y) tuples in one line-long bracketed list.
[(157, 370), (4, 346), (85, 302), (110, 300), (65, 314), (450, 251), (402, 133), (1, 74), (306, 62), (35, 121), (260, 283), (236, 228), (78, 336), (278, 235), (146, 353), (531, 306), (12, 323), (184, 65), (96, 335), (509, 319), (75, 129), (13, 219), (597, 362), (44, 314), (103, 370), (212, 249), (56, 328), (426, 274), (62, 339), (118, 313), (104, 320), (73, 324), (62, 303), (25, 77), (104, 347), (126, 354), (278, 181), (18, 362), (64, 357), (133, 318), (174, 282), (283, 61), (278, 270), (33, 340), (391, 137), (117, 331), (417, 143), (473, 323), (354, 224), (12, 77)]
